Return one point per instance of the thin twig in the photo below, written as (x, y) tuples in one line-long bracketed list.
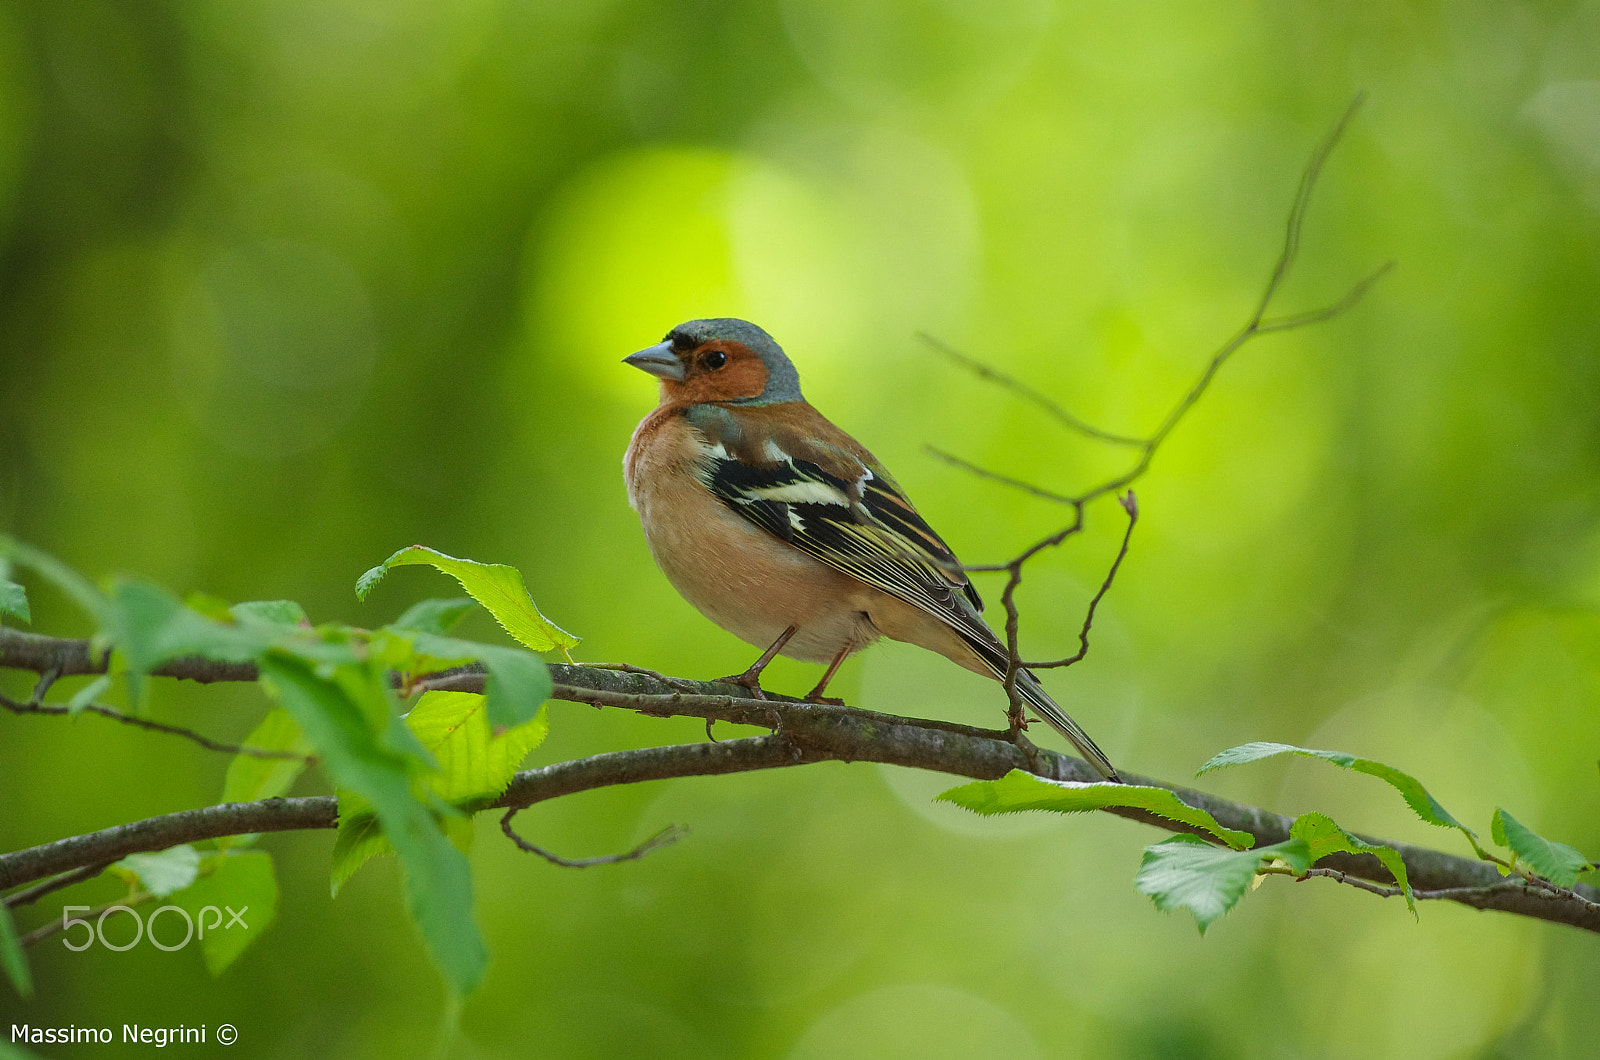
[(46, 679), (1520, 885), (50, 927), (66, 879), (154, 726), (1258, 324), (994, 476), (991, 374), (666, 837), (1130, 504)]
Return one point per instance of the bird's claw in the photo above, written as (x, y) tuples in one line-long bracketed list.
[(746, 680)]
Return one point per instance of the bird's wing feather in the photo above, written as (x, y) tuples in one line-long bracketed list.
[(837, 504)]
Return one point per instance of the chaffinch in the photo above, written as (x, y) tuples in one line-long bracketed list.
[(785, 531)]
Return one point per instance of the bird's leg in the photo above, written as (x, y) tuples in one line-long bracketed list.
[(751, 678), (815, 695)]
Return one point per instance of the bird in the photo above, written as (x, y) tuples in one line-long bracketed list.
[(785, 531)]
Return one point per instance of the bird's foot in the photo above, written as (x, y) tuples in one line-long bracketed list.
[(822, 700), (749, 679)]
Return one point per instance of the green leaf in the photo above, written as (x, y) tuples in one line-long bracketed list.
[(163, 873), (1556, 862), (234, 883), (1018, 790), (434, 616), (1324, 837), (212, 607), (273, 612), (518, 683), (494, 585), (57, 573), (14, 600), (474, 764), (12, 959), (151, 627), (359, 839), (1186, 872), (438, 881), (87, 694), (251, 778), (1423, 804), (474, 767)]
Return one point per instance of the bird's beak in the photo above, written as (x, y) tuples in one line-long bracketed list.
[(658, 360)]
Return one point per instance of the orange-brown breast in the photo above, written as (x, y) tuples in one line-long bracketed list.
[(738, 575)]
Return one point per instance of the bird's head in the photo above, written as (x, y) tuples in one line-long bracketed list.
[(721, 360)]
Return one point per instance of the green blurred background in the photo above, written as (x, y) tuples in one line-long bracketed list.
[(285, 286)]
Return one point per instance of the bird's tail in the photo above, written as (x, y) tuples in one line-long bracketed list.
[(1029, 688)]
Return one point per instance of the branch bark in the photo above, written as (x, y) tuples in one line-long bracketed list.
[(801, 734)]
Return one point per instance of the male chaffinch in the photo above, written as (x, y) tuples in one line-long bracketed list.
[(783, 530)]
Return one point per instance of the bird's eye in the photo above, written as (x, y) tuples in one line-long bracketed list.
[(716, 359)]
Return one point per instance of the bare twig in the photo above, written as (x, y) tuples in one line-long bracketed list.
[(994, 476), (46, 679), (992, 374), (66, 879), (1258, 324), (154, 726), (1521, 885), (50, 927), (1130, 504), (666, 837)]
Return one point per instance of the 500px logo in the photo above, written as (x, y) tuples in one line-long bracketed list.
[(145, 927)]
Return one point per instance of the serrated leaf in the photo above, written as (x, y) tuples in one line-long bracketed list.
[(14, 600), (1556, 862), (150, 627), (496, 586), (1422, 804), (1017, 791), (1324, 837), (12, 959), (1186, 872), (474, 767), (234, 883), (358, 840), (434, 616), (474, 763), (438, 881), (88, 694), (165, 872)]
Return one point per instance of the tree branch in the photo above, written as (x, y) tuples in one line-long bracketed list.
[(1258, 324), (802, 733)]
